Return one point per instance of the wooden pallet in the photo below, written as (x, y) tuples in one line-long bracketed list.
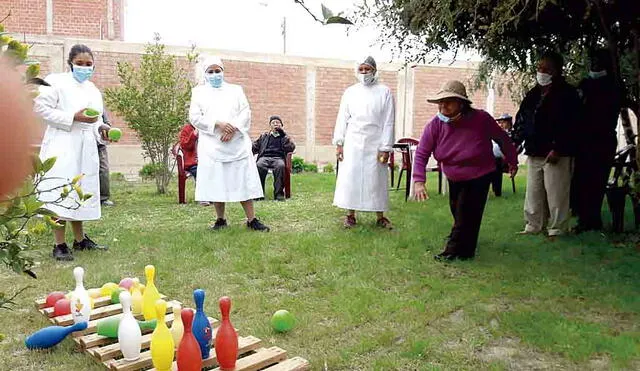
[(252, 356)]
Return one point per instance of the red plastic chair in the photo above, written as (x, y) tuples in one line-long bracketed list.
[(407, 166)]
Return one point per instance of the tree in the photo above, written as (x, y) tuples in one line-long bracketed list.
[(153, 99), (511, 34)]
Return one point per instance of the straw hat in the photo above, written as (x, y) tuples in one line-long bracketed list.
[(450, 89)]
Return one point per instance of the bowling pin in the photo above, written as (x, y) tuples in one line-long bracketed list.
[(52, 335), (188, 356), (201, 326), (129, 334), (136, 299), (161, 341), (80, 300), (177, 328), (226, 339), (151, 294)]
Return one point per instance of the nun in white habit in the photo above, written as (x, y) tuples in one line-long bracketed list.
[(227, 171), (364, 136), (72, 138)]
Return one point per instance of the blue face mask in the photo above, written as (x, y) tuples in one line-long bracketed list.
[(597, 74), (215, 79), (82, 73), (443, 118)]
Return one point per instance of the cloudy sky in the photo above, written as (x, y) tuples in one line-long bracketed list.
[(251, 26)]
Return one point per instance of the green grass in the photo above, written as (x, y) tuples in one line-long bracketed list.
[(364, 299)]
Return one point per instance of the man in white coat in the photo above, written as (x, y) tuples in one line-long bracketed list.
[(364, 136), (226, 169)]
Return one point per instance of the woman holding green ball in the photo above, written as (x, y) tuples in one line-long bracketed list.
[(72, 109)]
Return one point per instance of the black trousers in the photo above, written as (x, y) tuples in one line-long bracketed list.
[(496, 178), (467, 200), (590, 177), (277, 165), (105, 189)]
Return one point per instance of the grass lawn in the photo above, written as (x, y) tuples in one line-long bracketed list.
[(365, 299)]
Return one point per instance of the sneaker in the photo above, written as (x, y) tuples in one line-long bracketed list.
[(62, 252), (445, 256), (107, 203), (384, 223), (257, 225), (219, 224), (280, 198), (349, 221), (204, 203), (88, 244)]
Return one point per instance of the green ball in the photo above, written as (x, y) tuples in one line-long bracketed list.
[(282, 321), (115, 134), (90, 112), (115, 295)]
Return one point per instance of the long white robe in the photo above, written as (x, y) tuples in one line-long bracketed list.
[(73, 143), (365, 126), (227, 171)]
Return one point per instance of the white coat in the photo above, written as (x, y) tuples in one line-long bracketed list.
[(365, 126), (227, 171), (73, 143)]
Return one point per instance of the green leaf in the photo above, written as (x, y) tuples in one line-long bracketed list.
[(45, 212), (48, 164), (32, 205), (337, 20), (326, 12), (37, 164)]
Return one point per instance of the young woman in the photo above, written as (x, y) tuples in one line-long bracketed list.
[(71, 137), (459, 137)]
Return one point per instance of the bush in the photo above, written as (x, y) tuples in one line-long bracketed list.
[(297, 164), (328, 168), (310, 168), (117, 177), (149, 171)]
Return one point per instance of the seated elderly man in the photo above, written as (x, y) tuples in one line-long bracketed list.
[(272, 148)]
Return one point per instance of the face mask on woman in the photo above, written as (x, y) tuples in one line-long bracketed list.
[(215, 79), (544, 79), (366, 78), (82, 73)]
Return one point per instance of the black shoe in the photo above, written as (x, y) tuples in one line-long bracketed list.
[(88, 244), (280, 198), (259, 199), (445, 256), (219, 224), (62, 252), (256, 225)]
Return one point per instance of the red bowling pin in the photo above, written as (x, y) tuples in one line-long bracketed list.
[(226, 344), (189, 357)]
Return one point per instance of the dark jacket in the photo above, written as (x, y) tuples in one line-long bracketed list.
[(549, 122), (107, 121), (260, 144), (602, 101)]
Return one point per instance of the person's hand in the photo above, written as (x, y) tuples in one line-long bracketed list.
[(420, 192), (281, 131), (81, 117), (552, 158), (104, 132), (513, 170), (339, 153), (383, 157), (227, 136)]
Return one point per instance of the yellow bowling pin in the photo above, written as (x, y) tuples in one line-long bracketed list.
[(177, 328), (151, 294), (162, 347), (136, 299)]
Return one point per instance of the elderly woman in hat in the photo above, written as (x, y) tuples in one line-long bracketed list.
[(363, 137), (459, 137)]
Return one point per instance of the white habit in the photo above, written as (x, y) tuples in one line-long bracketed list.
[(365, 125), (227, 171), (73, 143)]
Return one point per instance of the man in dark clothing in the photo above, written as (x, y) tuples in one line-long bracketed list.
[(105, 191), (272, 148), (547, 122), (597, 141)]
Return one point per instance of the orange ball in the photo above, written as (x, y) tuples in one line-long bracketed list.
[(18, 126)]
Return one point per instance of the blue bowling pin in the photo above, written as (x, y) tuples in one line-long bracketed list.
[(201, 326), (52, 335)]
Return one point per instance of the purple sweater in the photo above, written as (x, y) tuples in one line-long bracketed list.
[(463, 148)]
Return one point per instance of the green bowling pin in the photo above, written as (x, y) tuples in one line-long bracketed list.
[(108, 327)]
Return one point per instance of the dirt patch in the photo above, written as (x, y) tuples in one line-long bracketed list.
[(516, 357)]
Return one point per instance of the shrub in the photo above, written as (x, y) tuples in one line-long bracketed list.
[(328, 168), (297, 164)]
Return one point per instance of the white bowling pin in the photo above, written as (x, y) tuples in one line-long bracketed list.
[(129, 334), (80, 300)]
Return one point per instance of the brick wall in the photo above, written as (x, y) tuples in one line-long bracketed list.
[(27, 16), (78, 18)]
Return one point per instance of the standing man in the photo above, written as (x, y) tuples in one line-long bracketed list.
[(547, 122), (105, 189), (272, 148), (364, 136), (226, 169), (598, 140)]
